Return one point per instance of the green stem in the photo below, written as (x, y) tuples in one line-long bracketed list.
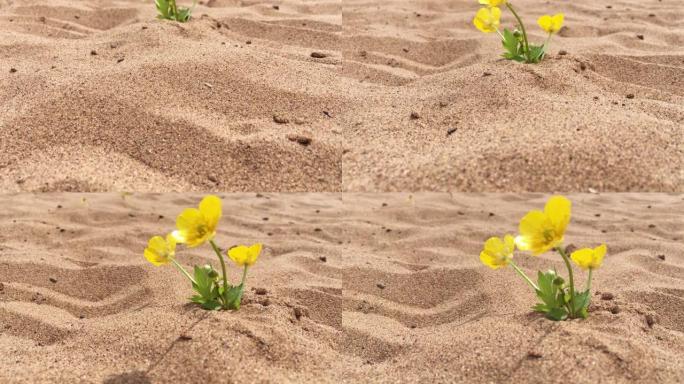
[(589, 279), (223, 266), (244, 276), (180, 268), (524, 276), (522, 28), (571, 278)]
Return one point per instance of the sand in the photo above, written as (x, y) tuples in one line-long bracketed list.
[(100, 96), (607, 115), (78, 302), (105, 97)]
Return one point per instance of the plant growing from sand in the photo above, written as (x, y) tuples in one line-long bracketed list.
[(540, 232), (516, 43), (195, 227), (168, 10)]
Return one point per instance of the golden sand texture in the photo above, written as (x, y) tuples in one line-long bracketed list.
[(358, 288), (401, 95), (101, 96), (435, 108)]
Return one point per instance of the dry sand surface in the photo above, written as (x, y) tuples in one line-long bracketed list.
[(78, 302), (98, 95), (608, 115), (106, 97)]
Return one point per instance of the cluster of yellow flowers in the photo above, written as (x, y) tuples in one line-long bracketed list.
[(540, 232), (194, 227), (516, 43)]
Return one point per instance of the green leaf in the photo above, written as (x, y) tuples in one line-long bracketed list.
[(537, 53), (163, 9), (510, 42), (581, 301), (557, 314), (234, 297)]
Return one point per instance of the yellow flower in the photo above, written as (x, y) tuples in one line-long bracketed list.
[(551, 24), (493, 3), (542, 231), (487, 20), (197, 226), (498, 253), (588, 258), (160, 251), (244, 255)]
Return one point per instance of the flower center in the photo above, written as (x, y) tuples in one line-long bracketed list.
[(549, 235)]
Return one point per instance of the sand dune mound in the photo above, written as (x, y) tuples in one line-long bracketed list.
[(102, 96)]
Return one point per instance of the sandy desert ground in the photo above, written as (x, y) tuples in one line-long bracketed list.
[(99, 96), (78, 302), (435, 108), (105, 97)]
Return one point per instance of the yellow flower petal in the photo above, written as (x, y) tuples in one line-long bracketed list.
[(487, 20), (210, 207), (588, 258), (497, 253), (244, 255), (197, 226), (558, 210), (551, 24), (542, 231), (493, 3), (160, 251)]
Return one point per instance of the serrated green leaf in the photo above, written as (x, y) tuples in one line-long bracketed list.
[(510, 43)]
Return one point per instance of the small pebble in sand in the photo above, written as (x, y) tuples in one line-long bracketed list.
[(42, 19), (248, 42), (583, 66), (276, 7), (380, 285), (661, 257), (651, 226), (93, 53), (279, 119), (630, 96), (318, 55), (534, 355), (265, 302), (640, 37), (651, 15), (81, 316), (260, 291), (160, 217), (650, 320), (384, 204), (607, 296), (13, 70), (212, 178), (562, 52), (317, 230), (451, 131), (299, 139), (119, 60), (323, 259), (415, 115), (53, 280), (298, 313), (615, 310), (59, 206), (184, 338), (486, 74)]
